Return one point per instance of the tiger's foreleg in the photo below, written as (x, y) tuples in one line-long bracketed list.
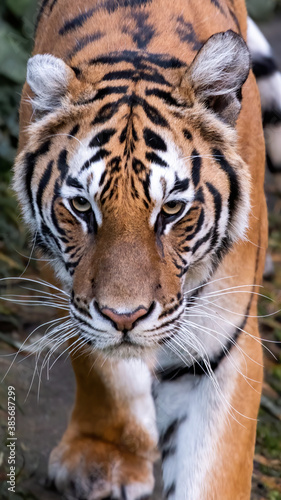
[(207, 433), (109, 446)]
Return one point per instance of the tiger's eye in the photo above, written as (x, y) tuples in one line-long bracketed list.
[(81, 204), (172, 208)]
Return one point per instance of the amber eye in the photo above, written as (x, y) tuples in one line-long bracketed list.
[(81, 204), (172, 208)]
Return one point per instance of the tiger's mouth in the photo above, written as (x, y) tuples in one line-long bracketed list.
[(147, 332), (128, 344)]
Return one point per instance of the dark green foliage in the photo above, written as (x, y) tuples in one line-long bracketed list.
[(17, 20), (260, 10), (16, 33)]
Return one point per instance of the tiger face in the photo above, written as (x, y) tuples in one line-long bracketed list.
[(133, 183)]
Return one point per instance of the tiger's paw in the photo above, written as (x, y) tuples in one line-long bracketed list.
[(88, 469)]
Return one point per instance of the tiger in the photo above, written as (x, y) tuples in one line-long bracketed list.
[(140, 174)]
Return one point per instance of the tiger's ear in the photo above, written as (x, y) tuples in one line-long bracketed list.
[(218, 72), (48, 78)]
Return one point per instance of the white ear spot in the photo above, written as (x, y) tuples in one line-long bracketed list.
[(48, 77), (218, 72)]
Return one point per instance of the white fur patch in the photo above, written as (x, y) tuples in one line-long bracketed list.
[(202, 411), (256, 42), (48, 78)]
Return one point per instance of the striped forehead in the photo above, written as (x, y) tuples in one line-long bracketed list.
[(166, 164)]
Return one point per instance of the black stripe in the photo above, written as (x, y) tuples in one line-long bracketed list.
[(52, 5), (135, 76), (165, 96), (44, 181), (43, 5), (198, 226), (105, 189), (170, 490), (196, 167), (76, 22), (138, 166), (264, 66), (102, 153), (73, 265), (187, 134), (169, 433), (102, 93), (217, 4), (146, 185), (83, 42), (109, 5), (233, 180), (73, 182), (83, 321), (134, 192), (62, 164), (144, 31), (187, 34), (139, 60), (77, 71), (154, 158), (199, 196), (202, 240), (180, 186), (108, 111), (170, 311), (121, 74), (102, 138), (41, 240), (74, 131), (114, 165), (111, 108), (59, 229), (30, 162), (153, 114), (153, 140), (43, 245), (69, 249), (235, 19), (168, 452), (218, 206)]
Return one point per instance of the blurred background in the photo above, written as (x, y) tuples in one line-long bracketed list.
[(41, 420)]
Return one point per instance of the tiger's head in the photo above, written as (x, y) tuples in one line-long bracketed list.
[(131, 180)]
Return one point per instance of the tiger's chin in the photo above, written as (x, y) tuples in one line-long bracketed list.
[(127, 350), (121, 349)]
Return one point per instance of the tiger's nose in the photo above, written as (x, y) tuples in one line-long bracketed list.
[(125, 321)]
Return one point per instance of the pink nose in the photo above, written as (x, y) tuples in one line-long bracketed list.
[(124, 321)]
